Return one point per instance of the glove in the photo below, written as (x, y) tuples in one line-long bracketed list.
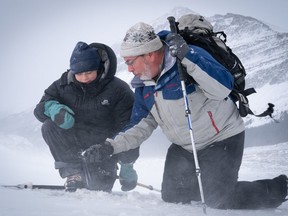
[(61, 114), (98, 152), (177, 45), (127, 177)]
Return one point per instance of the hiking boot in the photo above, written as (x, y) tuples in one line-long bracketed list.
[(73, 182)]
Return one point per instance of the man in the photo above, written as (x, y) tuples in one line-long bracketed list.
[(218, 129), (85, 106)]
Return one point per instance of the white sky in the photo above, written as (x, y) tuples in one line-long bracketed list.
[(38, 36)]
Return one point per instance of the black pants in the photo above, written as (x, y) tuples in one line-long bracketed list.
[(66, 147), (220, 164)]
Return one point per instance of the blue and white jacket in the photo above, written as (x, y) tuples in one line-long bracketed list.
[(214, 115)]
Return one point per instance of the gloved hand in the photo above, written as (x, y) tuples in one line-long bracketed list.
[(98, 152), (177, 45), (127, 177), (61, 114)]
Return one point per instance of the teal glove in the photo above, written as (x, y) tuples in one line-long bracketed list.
[(127, 177), (61, 114)]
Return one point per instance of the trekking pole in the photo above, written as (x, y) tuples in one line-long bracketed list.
[(173, 28)]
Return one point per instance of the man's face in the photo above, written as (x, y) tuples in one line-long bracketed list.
[(141, 66)]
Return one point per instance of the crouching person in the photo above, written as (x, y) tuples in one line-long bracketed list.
[(86, 105)]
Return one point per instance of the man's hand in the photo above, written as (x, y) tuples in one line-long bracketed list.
[(98, 152), (177, 45)]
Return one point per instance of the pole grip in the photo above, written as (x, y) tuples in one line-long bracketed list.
[(173, 26), (174, 29)]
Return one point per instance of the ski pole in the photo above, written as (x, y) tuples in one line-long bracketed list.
[(174, 28)]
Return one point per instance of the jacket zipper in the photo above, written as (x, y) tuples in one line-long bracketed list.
[(84, 93), (213, 122)]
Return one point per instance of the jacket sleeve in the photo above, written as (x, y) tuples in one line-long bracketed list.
[(213, 78), (141, 126)]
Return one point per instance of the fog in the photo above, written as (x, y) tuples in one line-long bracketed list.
[(37, 36)]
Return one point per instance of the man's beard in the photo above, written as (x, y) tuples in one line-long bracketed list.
[(146, 73)]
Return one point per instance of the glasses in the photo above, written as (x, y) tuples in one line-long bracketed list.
[(130, 62)]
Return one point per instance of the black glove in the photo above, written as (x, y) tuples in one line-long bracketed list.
[(177, 45), (98, 152)]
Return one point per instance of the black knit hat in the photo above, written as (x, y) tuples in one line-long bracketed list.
[(84, 58)]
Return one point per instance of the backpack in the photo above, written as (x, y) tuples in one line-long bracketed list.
[(196, 30)]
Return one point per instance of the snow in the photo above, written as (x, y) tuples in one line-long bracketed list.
[(21, 162), (258, 103)]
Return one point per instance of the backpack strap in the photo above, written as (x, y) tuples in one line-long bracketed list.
[(244, 108), (221, 34)]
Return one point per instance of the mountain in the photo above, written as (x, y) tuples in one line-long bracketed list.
[(262, 50)]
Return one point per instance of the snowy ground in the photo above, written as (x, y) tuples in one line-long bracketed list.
[(21, 163)]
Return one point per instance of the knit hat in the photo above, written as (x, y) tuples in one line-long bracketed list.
[(140, 39), (84, 58)]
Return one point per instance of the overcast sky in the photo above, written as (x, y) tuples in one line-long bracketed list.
[(38, 36)]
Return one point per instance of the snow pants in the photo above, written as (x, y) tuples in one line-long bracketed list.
[(66, 147), (220, 164)]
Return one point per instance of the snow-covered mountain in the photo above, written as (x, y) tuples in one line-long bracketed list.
[(264, 53)]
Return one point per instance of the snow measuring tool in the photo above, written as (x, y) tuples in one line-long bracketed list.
[(30, 185), (181, 69)]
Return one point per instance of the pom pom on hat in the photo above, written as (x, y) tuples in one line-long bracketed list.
[(140, 39), (84, 58)]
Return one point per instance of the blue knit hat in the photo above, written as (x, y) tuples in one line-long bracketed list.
[(84, 58)]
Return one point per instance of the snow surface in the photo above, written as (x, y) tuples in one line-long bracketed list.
[(258, 103), (21, 162)]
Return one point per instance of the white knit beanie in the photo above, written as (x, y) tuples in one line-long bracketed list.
[(140, 39)]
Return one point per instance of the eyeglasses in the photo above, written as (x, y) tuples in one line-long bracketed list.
[(130, 62)]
